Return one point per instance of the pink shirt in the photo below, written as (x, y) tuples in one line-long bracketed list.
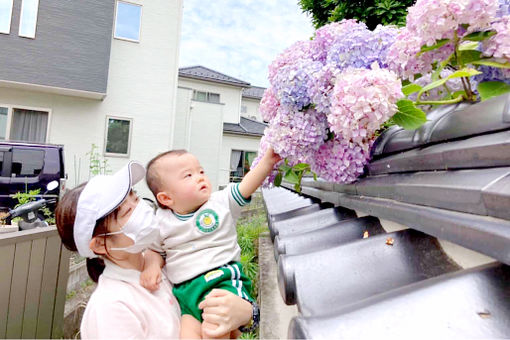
[(121, 308)]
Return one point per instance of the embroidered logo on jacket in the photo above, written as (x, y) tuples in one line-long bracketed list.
[(207, 221)]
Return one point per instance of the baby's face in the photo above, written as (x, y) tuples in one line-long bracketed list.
[(185, 181)]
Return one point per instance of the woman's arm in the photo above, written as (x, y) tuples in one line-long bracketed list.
[(226, 310), (151, 273)]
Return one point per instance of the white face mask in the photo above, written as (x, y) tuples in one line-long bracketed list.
[(141, 227)]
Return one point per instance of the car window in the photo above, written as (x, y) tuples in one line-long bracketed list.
[(27, 162), (1, 161)]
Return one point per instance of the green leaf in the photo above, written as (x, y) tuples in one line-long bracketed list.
[(469, 46), (314, 176), (297, 187), (292, 177), (465, 72), (410, 89), (285, 168), (409, 116), (278, 179), (479, 36), (489, 89), (438, 44), (469, 56), (301, 167), (491, 62)]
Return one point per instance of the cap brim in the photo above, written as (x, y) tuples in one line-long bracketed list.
[(117, 187)]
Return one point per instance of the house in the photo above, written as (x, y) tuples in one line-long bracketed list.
[(86, 72), (211, 124)]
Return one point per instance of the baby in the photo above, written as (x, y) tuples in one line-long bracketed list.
[(198, 231)]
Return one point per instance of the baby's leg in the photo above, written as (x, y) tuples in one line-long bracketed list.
[(191, 328)]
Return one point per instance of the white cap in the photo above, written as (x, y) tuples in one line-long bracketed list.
[(102, 195)]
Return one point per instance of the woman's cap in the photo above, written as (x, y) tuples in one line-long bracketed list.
[(102, 195)]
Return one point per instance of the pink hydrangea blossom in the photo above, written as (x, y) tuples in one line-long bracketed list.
[(269, 105), (362, 100)]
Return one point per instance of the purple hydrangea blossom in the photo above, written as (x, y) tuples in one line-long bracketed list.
[(362, 100), (295, 135), (498, 46), (326, 36), (340, 161)]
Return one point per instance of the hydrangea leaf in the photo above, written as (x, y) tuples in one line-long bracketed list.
[(489, 89), (438, 44), (470, 56), (410, 89), (292, 177), (409, 116), (301, 167), (473, 45), (465, 72), (479, 36), (489, 62), (278, 179)]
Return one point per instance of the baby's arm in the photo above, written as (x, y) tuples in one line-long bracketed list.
[(256, 176), (151, 273)]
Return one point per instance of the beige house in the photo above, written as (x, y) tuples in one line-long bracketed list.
[(209, 122)]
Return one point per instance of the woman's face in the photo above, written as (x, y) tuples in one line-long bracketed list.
[(125, 210)]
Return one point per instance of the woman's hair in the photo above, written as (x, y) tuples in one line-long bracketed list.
[(65, 214)]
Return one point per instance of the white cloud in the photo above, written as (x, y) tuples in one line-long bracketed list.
[(240, 38)]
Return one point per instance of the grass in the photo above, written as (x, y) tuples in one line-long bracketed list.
[(248, 231)]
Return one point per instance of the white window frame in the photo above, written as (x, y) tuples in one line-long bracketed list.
[(112, 154), (10, 110), (207, 93), (139, 28), (21, 20), (10, 20)]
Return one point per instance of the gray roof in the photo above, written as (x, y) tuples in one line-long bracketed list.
[(246, 126), (204, 73), (255, 92), (450, 180)]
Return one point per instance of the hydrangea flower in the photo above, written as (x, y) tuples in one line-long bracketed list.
[(269, 105), (362, 100), (296, 135), (492, 74), (298, 50), (340, 161), (326, 35), (498, 46)]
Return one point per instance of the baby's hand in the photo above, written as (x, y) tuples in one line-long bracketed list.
[(151, 277), (271, 157)]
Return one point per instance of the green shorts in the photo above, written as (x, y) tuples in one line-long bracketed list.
[(229, 277)]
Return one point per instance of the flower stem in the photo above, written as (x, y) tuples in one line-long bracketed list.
[(440, 102)]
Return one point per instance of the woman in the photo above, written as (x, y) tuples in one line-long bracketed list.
[(109, 225)]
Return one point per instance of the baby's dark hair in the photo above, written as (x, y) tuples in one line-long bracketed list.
[(152, 177)]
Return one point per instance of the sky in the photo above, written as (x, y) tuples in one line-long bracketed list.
[(240, 38)]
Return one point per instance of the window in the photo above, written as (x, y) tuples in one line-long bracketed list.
[(128, 21), (206, 97), (29, 125), (240, 163), (5, 16), (26, 162), (244, 109), (3, 121), (1, 161), (28, 19), (118, 136)]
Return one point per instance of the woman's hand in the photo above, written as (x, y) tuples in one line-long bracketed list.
[(224, 310)]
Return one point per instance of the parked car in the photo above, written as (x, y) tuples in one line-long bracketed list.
[(28, 166)]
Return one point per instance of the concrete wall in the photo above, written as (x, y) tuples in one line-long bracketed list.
[(142, 85), (234, 142), (229, 95), (206, 137), (252, 108), (71, 48)]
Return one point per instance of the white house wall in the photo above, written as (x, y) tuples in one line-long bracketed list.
[(234, 142), (252, 108), (229, 95), (182, 118), (142, 86)]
